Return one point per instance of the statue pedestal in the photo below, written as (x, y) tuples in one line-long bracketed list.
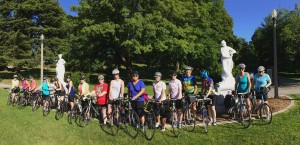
[(223, 89)]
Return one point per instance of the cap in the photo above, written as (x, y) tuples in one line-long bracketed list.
[(115, 71), (157, 74), (100, 77), (242, 65)]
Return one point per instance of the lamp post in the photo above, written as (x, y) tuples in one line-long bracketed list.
[(274, 16), (42, 57)]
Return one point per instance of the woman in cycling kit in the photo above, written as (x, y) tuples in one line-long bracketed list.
[(243, 84), (70, 91), (209, 92), (159, 90)]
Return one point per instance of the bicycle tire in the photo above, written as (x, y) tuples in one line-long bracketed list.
[(34, 104), (150, 122), (189, 123), (265, 117), (60, 112), (23, 102), (15, 102), (47, 111), (85, 117), (205, 119), (132, 123), (244, 116), (115, 122), (175, 123)]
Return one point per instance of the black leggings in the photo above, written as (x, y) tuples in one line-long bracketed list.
[(138, 107)]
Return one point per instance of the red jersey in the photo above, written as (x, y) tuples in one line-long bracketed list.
[(99, 88)]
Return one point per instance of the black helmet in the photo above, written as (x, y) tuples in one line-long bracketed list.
[(52, 79), (82, 77), (31, 77), (45, 78), (173, 72), (68, 76), (134, 73)]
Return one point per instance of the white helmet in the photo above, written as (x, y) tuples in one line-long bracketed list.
[(261, 68), (115, 71)]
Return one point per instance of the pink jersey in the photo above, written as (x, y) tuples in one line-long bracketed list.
[(25, 85)]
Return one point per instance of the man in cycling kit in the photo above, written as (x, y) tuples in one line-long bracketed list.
[(189, 85)]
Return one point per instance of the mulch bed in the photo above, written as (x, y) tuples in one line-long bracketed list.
[(275, 104)]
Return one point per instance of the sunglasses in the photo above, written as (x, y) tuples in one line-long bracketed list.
[(135, 76)]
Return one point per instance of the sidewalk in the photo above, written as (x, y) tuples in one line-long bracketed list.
[(286, 87)]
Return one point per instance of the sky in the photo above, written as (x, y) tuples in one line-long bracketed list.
[(247, 15)]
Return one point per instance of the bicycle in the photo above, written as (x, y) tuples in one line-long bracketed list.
[(265, 111), (202, 108), (150, 119), (46, 106), (25, 98), (189, 116), (174, 117), (89, 111), (75, 112), (240, 111), (63, 108), (37, 97), (9, 98), (117, 116)]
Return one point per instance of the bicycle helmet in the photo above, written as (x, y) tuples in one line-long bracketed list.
[(68, 76), (82, 77), (157, 74), (45, 78), (134, 73), (173, 72), (261, 68), (242, 65), (115, 71), (15, 76), (52, 79), (204, 74), (188, 68), (100, 77)]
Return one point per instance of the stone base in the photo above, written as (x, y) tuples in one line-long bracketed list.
[(220, 107)]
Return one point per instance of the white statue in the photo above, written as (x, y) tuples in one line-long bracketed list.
[(228, 80), (60, 68)]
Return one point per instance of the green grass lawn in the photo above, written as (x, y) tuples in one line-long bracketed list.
[(27, 127)]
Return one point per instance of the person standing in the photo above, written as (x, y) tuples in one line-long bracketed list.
[(159, 90), (136, 88), (116, 90), (189, 86), (175, 92)]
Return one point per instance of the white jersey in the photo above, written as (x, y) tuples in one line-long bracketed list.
[(174, 86), (158, 87), (116, 88)]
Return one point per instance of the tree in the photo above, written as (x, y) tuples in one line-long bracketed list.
[(21, 24)]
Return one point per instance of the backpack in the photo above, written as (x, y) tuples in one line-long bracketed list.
[(229, 101)]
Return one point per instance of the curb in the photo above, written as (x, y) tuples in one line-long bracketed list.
[(288, 107)]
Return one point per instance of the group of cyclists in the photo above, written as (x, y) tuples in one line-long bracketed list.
[(106, 95)]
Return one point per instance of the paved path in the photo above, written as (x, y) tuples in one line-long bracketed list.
[(286, 87)]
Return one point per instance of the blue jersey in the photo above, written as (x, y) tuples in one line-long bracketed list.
[(261, 81)]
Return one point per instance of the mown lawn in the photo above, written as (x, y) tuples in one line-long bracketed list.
[(27, 127)]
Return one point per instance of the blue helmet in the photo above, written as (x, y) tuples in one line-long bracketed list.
[(204, 74)]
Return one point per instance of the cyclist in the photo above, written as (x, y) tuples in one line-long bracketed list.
[(136, 88), (83, 90), (243, 84), (52, 88), (15, 87), (159, 90), (189, 85), (261, 82), (116, 90), (32, 85), (24, 82), (209, 92), (45, 92), (59, 88), (70, 91), (101, 90), (175, 92)]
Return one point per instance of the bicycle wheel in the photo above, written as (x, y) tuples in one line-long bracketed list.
[(60, 112), (34, 104), (115, 122), (46, 110), (244, 116), (150, 122), (15, 101), (132, 123), (9, 100), (85, 117), (22, 102), (72, 115), (175, 123), (265, 113), (189, 120), (205, 119)]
